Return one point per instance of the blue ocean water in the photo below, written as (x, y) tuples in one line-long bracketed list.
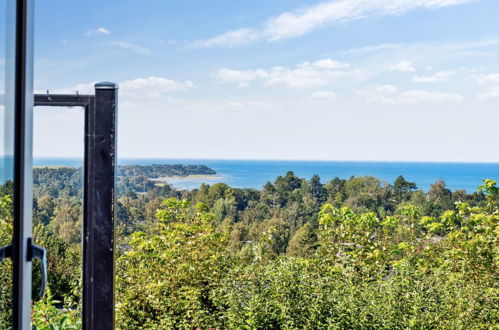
[(254, 174)]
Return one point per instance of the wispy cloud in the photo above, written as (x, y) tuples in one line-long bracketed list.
[(324, 95), (304, 75), (249, 105), (301, 21), (382, 94), (493, 93), (140, 88), (388, 94), (229, 75), (404, 66), (405, 51), (371, 49), (487, 78), (421, 96), (229, 39), (437, 77), (129, 46), (152, 87), (99, 30)]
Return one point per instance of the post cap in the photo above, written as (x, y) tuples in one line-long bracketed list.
[(106, 85)]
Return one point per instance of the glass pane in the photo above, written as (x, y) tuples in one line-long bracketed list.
[(6, 154), (58, 212)]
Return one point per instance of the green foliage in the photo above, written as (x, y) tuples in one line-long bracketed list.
[(170, 273), (404, 271), (56, 182), (6, 265), (303, 242), (492, 192), (356, 253), (50, 314)]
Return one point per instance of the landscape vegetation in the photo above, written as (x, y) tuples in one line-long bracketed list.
[(298, 253)]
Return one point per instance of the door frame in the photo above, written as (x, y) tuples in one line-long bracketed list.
[(23, 164)]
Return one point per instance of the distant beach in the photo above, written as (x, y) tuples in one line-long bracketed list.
[(178, 178), (54, 166)]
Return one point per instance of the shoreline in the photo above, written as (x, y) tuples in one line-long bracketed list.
[(178, 178), (54, 166)]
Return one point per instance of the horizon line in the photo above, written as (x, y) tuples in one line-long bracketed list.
[(282, 160)]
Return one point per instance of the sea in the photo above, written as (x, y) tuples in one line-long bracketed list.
[(255, 173)]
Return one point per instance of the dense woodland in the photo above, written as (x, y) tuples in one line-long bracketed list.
[(162, 170), (299, 253)]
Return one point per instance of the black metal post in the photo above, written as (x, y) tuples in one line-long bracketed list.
[(99, 209), (98, 199)]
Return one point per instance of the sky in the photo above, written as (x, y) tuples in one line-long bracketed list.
[(379, 80)]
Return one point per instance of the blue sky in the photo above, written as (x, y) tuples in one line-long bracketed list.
[(409, 80)]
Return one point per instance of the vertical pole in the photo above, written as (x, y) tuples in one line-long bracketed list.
[(99, 209), (23, 131)]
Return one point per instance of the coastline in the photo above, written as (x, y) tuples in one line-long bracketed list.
[(54, 166), (255, 174), (187, 178)]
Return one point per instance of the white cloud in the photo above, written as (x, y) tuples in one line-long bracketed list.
[(302, 21), (231, 38), (244, 85), (385, 89), (228, 75), (141, 88), (379, 94), (301, 77), (129, 46), (403, 66), (327, 95), (372, 49), (304, 75), (493, 93), (487, 78), (99, 30), (330, 64), (418, 96), (152, 87), (388, 94), (425, 51), (437, 77), (249, 105)]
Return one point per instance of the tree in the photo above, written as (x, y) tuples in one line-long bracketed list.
[(317, 190), (365, 193), (173, 271), (67, 220), (303, 242), (403, 188)]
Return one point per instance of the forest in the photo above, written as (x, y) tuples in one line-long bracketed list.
[(162, 170), (298, 253)]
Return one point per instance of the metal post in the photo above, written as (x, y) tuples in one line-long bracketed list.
[(99, 210), (99, 198)]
